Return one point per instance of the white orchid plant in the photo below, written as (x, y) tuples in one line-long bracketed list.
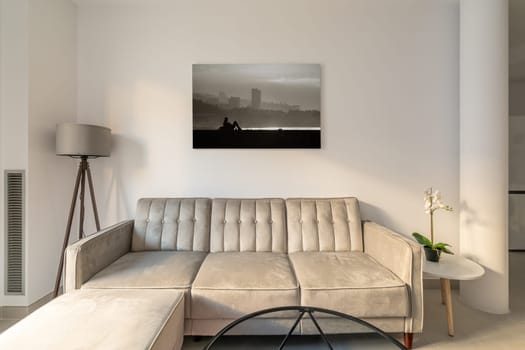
[(433, 203)]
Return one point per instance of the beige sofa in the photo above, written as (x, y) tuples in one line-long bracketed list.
[(231, 257)]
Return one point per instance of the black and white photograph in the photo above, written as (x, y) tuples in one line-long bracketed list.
[(256, 106)]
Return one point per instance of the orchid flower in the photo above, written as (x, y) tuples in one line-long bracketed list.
[(432, 202)]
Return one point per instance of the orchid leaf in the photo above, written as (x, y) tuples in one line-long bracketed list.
[(422, 239), (442, 247), (445, 250)]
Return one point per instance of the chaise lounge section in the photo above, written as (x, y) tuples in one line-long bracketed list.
[(88, 319)]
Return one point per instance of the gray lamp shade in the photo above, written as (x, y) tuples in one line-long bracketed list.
[(77, 140)]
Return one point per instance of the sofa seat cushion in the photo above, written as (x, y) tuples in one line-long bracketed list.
[(233, 284), (151, 269), (350, 282), (159, 269), (102, 320)]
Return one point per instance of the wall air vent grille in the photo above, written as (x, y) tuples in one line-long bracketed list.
[(14, 231)]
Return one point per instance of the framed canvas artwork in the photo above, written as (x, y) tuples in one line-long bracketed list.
[(256, 106)]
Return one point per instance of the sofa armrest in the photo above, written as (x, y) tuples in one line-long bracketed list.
[(83, 259), (403, 257)]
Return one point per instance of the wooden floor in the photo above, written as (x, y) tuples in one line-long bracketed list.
[(5, 324)]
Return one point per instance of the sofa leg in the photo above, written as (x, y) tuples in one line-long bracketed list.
[(408, 340)]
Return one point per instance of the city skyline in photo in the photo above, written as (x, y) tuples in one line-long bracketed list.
[(295, 85)]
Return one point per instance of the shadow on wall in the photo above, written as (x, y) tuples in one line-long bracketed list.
[(127, 161), (374, 213), (471, 218)]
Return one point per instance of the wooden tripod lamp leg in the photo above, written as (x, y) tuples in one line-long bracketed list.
[(68, 231), (83, 163), (92, 195)]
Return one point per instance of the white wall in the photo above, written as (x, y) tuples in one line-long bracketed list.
[(390, 101), (484, 146), (52, 100), (37, 91), (13, 107)]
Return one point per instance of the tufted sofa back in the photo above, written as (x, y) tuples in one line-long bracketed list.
[(324, 225), (172, 224), (248, 225)]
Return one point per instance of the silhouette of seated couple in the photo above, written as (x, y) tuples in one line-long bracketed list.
[(227, 126)]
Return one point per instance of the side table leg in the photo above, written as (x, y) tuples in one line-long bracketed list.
[(442, 291), (445, 282)]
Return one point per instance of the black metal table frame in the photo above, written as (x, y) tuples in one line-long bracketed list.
[(302, 311)]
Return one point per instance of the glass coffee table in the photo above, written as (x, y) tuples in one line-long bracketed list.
[(361, 334)]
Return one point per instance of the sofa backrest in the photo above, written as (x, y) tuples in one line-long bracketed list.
[(248, 225), (324, 225), (172, 224)]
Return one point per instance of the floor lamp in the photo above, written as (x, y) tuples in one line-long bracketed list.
[(80, 141)]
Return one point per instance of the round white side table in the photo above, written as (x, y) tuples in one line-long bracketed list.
[(451, 267)]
